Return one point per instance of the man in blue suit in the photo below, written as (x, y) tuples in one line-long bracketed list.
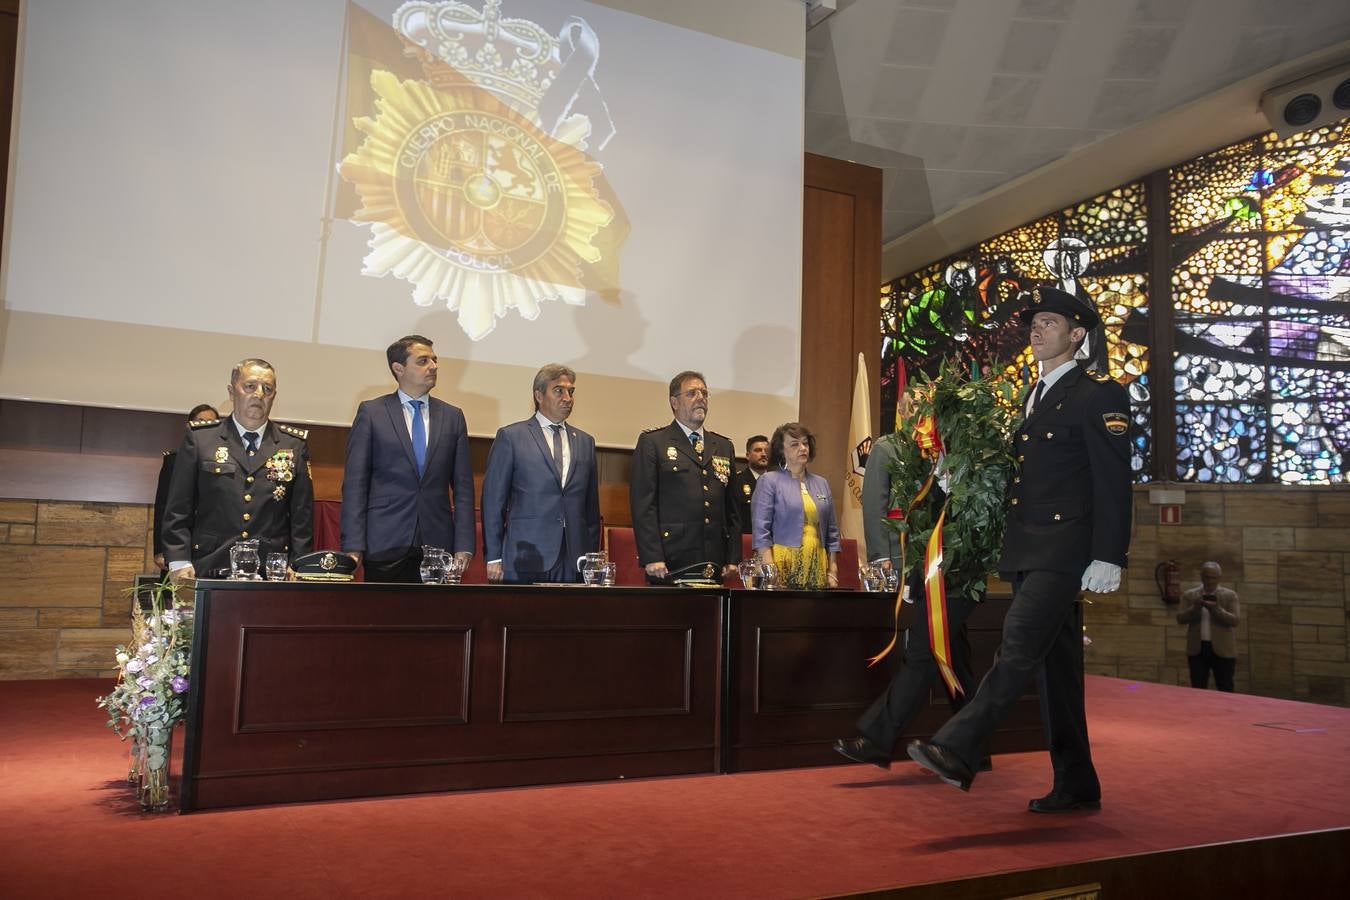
[(541, 490), (406, 453)]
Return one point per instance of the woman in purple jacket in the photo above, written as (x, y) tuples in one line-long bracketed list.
[(792, 514)]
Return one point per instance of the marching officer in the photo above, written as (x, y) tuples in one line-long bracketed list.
[(1068, 530), (680, 490), (237, 478)]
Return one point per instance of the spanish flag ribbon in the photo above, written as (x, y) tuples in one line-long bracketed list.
[(935, 595), (927, 437), (930, 445)]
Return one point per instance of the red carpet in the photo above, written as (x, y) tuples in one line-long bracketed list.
[(1179, 768)]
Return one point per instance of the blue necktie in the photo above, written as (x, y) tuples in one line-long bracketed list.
[(419, 436), (250, 441)]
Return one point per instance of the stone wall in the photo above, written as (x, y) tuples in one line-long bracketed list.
[(1285, 550), (64, 573)]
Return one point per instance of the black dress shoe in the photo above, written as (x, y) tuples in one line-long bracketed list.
[(860, 749), (986, 765), (941, 762), (1055, 802)]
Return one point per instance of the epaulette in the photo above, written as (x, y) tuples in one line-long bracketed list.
[(203, 423), (710, 433), (1099, 376), (655, 428), (167, 452), (301, 433)]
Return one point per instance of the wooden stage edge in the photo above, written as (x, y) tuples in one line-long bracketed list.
[(1308, 864)]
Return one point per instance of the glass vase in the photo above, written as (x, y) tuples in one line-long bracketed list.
[(134, 760), (154, 776)]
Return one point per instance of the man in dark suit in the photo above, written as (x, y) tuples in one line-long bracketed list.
[(236, 478), (1068, 530), (743, 482), (541, 490), (406, 453), (202, 412), (680, 492)]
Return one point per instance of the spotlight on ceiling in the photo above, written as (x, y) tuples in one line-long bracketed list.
[(1309, 102)]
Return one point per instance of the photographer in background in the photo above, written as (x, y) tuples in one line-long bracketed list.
[(1211, 613)]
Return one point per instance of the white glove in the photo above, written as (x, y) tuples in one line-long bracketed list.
[(1101, 577)]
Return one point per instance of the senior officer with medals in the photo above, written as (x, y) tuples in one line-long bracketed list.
[(237, 478), (680, 490), (1068, 530)]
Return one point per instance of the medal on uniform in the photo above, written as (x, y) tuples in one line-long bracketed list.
[(280, 492), (222, 454), (746, 488), (670, 453), (281, 466), (722, 468), (698, 446)]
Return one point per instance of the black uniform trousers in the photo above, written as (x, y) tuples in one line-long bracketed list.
[(1040, 640), (886, 719)]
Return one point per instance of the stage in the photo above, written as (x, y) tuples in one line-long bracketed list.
[(1205, 793)]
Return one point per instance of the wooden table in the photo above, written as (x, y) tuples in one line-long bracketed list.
[(306, 692)]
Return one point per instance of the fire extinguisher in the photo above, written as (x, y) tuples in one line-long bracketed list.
[(1168, 576)]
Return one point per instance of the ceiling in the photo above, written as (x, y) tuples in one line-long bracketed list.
[(955, 98)]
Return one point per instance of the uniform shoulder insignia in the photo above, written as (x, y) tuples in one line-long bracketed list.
[(301, 433), (204, 423), (710, 433), (167, 452), (653, 428), (1100, 376)]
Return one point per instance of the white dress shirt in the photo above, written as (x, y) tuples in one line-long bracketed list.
[(545, 424)]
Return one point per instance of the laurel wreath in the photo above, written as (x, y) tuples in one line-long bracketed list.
[(975, 417)]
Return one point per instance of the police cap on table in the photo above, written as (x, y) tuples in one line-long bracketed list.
[(1048, 299)]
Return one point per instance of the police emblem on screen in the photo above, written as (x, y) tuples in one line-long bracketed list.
[(476, 181)]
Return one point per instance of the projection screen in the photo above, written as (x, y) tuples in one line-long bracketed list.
[(614, 186)]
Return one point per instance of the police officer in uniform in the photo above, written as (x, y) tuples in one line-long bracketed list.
[(743, 482), (236, 478), (680, 490), (1068, 530)]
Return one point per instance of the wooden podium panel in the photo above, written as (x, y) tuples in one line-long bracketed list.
[(312, 692), (798, 677)]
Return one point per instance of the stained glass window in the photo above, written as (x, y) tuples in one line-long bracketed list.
[(966, 305), (1258, 255)]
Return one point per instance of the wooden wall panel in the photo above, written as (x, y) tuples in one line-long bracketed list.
[(841, 278)]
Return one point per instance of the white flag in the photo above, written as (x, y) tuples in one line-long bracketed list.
[(859, 444)]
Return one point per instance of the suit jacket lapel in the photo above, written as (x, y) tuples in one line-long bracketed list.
[(434, 423), (1055, 393), (400, 426), (532, 425), (681, 442)]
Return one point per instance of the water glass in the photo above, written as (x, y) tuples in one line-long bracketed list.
[(278, 566), (433, 567), (244, 562), (873, 578), (768, 576), (609, 574), (748, 569), (892, 579)]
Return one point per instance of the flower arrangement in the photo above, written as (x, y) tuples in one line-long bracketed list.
[(150, 697), (959, 433)]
